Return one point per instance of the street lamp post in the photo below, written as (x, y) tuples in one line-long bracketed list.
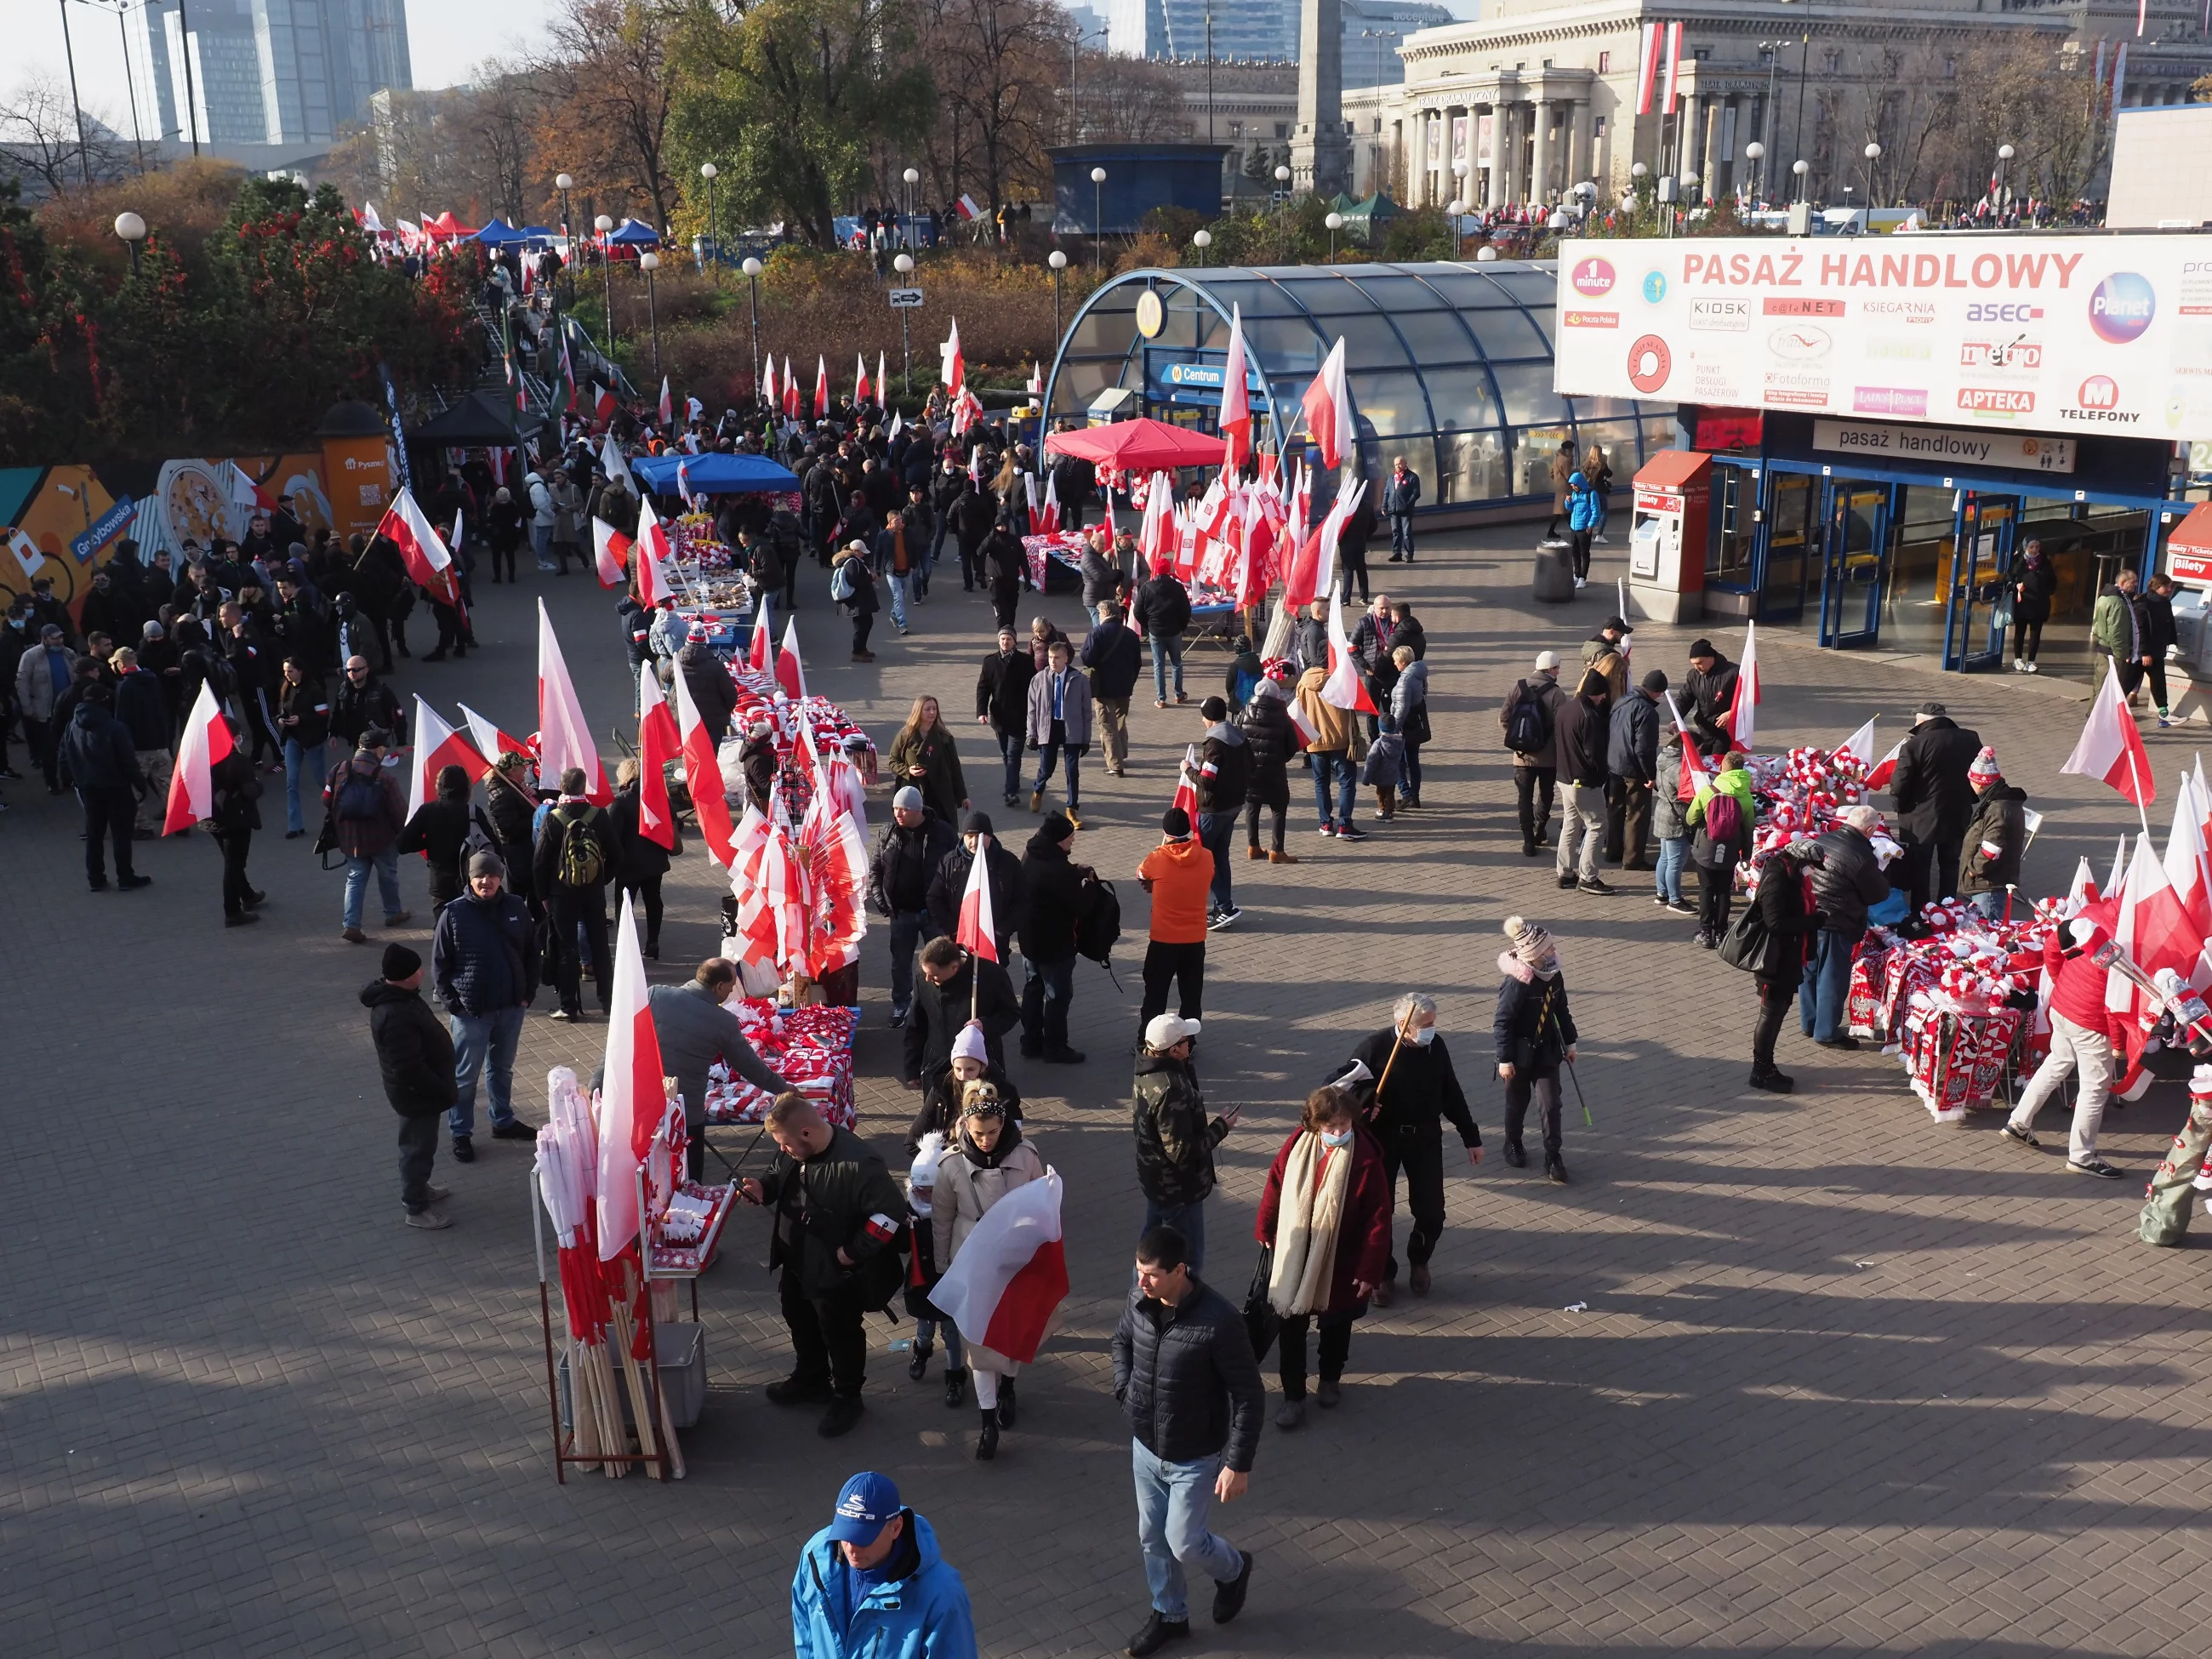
[(132, 229), (752, 269), (1873, 153), (913, 177), (709, 172), (1801, 166), (1456, 209), (1058, 261), (1282, 209), (69, 51), (602, 225), (1201, 239), (2005, 153), (1755, 153), (564, 184), (1335, 222), (903, 263), (648, 262), (1097, 223)]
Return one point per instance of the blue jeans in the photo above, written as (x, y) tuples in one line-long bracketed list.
[(1674, 851), (1215, 830), (304, 764), (1402, 534), (1166, 648), (925, 1330), (541, 544), (1827, 982), (906, 938), (897, 585), (1055, 751), (1045, 995), (387, 884), (1173, 1503), (486, 1044), (1412, 785), (1189, 1219), (1347, 780), (1010, 751)]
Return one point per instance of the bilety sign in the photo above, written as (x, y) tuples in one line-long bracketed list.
[(2071, 334)]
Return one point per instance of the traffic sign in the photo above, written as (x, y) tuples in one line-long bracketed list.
[(906, 298)]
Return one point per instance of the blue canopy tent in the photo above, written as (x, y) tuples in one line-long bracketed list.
[(630, 233), (535, 234), (499, 234), (714, 475)]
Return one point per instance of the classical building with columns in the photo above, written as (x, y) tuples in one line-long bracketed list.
[(1541, 94)]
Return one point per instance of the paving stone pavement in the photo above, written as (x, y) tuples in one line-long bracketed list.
[(1840, 1380)]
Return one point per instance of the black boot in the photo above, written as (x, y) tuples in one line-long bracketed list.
[(956, 1386), (1005, 1402), (1774, 1082), (920, 1363), (986, 1441)]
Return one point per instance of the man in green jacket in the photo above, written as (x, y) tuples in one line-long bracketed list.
[(2116, 631)]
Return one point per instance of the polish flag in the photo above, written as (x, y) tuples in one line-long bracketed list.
[(1648, 73), (1034, 384), (977, 929), (1327, 406), (207, 743), (603, 404), (1693, 764), (612, 548), (1743, 710), (657, 744), (428, 564), (1186, 795), (564, 738), (953, 366), (1674, 66), (2153, 927), (1860, 742), (1044, 513), (647, 552), (883, 384), (710, 799), (1883, 770), (2189, 871), (2110, 749), (758, 647), (1005, 1288), (792, 407), (1236, 419), (790, 673), (820, 387), (667, 404), (633, 1098), (490, 742), (768, 384), (1346, 687), (1301, 722), (612, 462), (2083, 889), (859, 377), (437, 746)]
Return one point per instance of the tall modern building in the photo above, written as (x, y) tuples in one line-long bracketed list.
[(263, 72), (1267, 31)]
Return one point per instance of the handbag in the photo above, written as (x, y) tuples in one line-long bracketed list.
[(1261, 1322), (1744, 945)]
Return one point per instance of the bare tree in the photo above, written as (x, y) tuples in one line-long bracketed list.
[(40, 139), (1907, 115), (1128, 101), (608, 85), (995, 62)]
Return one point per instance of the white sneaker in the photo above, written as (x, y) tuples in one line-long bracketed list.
[(1603, 541), (1582, 581), (2018, 666), (2035, 668)]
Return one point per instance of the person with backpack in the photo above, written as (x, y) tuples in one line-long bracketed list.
[(988, 1157), (570, 868), (1162, 614), (1579, 738), (414, 1059), (854, 588), (1270, 737), (367, 811), (1057, 890), (1722, 818), (1533, 1031), (1787, 922), (1531, 712), (484, 962)]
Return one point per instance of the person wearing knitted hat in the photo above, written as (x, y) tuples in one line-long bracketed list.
[(908, 850), (1178, 873), (1529, 717), (415, 1057), (1534, 1033), (1996, 836)]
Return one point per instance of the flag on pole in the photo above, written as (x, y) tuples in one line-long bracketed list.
[(602, 407), (1346, 687), (953, 365), (859, 377), (977, 929), (790, 673), (1005, 1288), (1034, 384), (820, 387), (1674, 66), (422, 549), (702, 767), (1186, 792), (1327, 406), (633, 1098), (768, 383), (792, 406), (667, 404), (610, 548), (657, 744), (1647, 73), (1743, 709), (2110, 749), (1860, 742), (1301, 722), (437, 746), (564, 738), (2190, 872), (883, 384), (206, 744), (1879, 774), (758, 647), (490, 742), (1235, 420), (1694, 775)]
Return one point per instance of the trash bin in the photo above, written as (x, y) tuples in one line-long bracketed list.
[(1554, 581)]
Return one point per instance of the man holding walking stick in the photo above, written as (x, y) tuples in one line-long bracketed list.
[(1535, 1032), (1414, 1090)]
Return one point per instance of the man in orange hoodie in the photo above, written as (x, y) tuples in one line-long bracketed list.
[(1178, 874)]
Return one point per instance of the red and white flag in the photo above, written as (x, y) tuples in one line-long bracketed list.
[(438, 745), (1044, 512), (768, 383), (2153, 925), (648, 553), (1327, 406), (1005, 1288), (603, 405), (2189, 869), (564, 738), (633, 1098), (1301, 722), (422, 549), (1346, 687), (1034, 384), (206, 744), (1235, 421), (611, 548), (1693, 766), (2110, 749), (820, 387), (790, 673), (1743, 710), (792, 407), (1647, 73), (702, 767), (1879, 774), (859, 377), (1674, 66), (667, 406), (952, 365), (244, 492), (490, 742), (978, 929), (1186, 792), (758, 647), (1860, 742), (657, 745)]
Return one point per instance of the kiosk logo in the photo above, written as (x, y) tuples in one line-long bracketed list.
[(1592, 276), (2121, 307)]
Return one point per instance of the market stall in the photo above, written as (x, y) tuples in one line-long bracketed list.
[(715, 594)]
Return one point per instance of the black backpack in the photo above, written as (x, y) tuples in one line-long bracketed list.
[(1528, 722), (1099, 927), (359, 799)]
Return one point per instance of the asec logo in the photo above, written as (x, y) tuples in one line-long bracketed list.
[(1655, 287), (2121, 307), (2098, 392), (1592, 276)]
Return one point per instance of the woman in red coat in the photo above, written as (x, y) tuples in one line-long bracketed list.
[(1326, 1214)]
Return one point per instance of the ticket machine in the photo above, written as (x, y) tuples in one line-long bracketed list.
[(1671, 536)]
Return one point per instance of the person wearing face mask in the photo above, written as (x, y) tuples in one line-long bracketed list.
[(1535, 1031), (987, 1160), (873, 1582), (1325, 1213), (1401, 1080)]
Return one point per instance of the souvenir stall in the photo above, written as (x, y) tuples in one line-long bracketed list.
[(712, 591)]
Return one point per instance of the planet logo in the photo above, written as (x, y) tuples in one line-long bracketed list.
[(1655, 288), (2121, 307), (1592, 276)]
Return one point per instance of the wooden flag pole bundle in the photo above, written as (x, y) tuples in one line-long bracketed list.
[(563, 1179)]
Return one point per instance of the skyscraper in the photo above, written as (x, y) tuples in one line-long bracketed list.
[(263, 72), (1268, 29)]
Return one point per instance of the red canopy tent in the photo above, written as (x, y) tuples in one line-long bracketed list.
[(1137, 446), (445, 226)]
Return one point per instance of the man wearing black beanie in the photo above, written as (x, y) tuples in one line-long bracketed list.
[(415, 1056)]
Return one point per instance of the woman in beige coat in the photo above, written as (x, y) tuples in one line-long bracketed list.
[(987, 1160)]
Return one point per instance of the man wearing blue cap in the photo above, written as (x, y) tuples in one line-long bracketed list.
[(872, 1583)]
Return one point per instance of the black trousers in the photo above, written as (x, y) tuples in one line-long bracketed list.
[(2026, 638), (827, 1342), (1006, 601), (2158, 700), (39, 739), (1419, 1152), (1716, 889), (568, 908), (863, 620), (1635, 821), (1776, 999), (1542, 1089), (449, 631), (1580, 541), (234, 845), (1531, 788), (971, 567), (647, 889), (1252, 811), (418, 1150), (1931, 871), (1183, 965), (1335, 1349), (1616, 815), (502, 558), (107, 814), (1353, 564)]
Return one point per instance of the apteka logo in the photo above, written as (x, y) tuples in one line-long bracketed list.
[(1592, 276), (2121, 307)]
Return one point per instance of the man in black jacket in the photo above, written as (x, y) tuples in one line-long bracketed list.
[(98, 761), (1225, 773), (1114, 659), (1631, 763), (1057, 892), (1002, 702), (1003, 874), (364, 703), (415, 1057), (484, 960), (714, 693), (1004, 567), (907, 852), (1580, 730), (1535, 770), (1710, 691), (575, 906), (1407, 1113), (1185, 1375), (1072, 481), (1175, 1138), (1351, 546), (1161, 613), (1933, 798), (954, 990), (1846, 881), (838, 1214)]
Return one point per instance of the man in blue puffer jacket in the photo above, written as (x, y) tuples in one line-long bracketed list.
[(871, 1582), (1582, 522)]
